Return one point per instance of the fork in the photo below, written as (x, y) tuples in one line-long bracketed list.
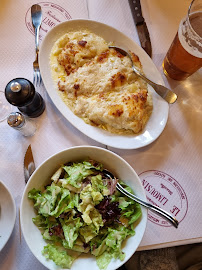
[(163, 91), (152, 207), (36, 14)]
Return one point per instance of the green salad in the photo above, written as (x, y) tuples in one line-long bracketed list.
[(80, 211)]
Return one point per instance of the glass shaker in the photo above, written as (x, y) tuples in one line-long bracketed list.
[(23, 124)]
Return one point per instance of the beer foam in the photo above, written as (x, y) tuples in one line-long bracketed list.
[(190, 41)]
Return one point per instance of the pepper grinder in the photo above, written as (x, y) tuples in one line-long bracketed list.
[(21, 92)]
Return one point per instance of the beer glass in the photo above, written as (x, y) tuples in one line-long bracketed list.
[(184, 56)]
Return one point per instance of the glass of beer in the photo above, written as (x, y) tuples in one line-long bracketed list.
[(184, 56)]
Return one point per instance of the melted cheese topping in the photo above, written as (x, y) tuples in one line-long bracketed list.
[(98, 84)]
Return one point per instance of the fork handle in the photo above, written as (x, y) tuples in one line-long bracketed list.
[(153, 84), (152, 207), (37, 39)]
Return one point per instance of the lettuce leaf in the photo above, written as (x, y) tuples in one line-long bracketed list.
[(103, 260), (58, 255), (78, 246), (52, 202), (88, 232), (71, 230), (136, 214), (77, 172), (40, 221), (98, 185)]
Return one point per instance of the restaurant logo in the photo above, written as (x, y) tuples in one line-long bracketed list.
[(52, 15), (164, 191)]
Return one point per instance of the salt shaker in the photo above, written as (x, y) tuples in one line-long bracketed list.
[(23, 124), (21, 92)]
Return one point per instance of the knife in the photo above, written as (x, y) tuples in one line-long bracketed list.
[(29, 166), (141, 26)]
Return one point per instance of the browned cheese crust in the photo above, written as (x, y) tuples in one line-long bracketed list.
[(98, 84)]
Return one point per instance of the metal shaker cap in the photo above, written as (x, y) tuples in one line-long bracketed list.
[(15, 120), (15, 87)]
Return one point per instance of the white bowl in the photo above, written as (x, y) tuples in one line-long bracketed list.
[(7, 214), (42, 175)]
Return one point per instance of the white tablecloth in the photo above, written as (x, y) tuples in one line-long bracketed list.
[(176, 153)]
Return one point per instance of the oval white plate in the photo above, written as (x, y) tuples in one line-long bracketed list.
[(7, 214), (159, 115), (40, 178)]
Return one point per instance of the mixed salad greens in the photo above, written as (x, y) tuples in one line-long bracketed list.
[(81, 211)]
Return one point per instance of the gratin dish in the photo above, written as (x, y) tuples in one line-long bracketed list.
[(158, 119)]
